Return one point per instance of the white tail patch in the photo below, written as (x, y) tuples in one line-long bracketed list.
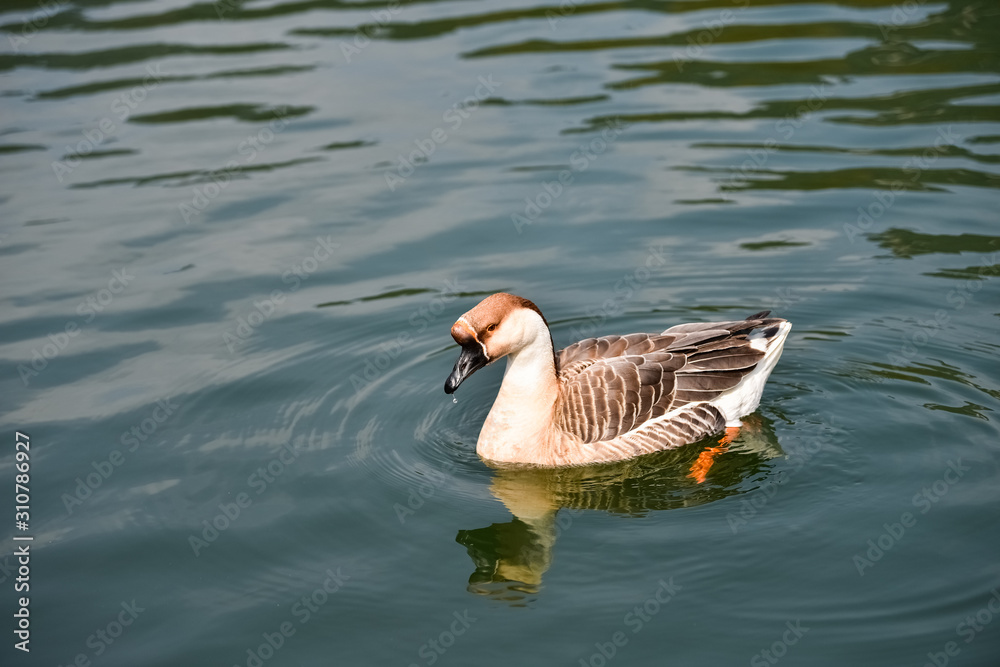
[(758, 340), (744, 398)]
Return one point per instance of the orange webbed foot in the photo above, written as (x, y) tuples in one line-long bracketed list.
[(700, 468)]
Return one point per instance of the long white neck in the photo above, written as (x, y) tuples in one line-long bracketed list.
[(530, 368), (522, 413)]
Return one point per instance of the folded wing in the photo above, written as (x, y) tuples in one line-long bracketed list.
[(615, 384)]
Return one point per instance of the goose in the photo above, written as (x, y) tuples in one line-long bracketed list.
[(615, 397)]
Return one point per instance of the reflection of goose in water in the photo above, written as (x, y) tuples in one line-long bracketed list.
[(512, 557)]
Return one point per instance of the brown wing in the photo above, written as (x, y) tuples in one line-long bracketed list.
[(719, 355), (689, 424), (613, 385), (580, 355)]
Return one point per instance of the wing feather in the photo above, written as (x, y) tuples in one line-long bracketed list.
[(720, 362), (613, 385)]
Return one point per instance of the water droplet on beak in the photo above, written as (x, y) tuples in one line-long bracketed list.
[(454, 399)]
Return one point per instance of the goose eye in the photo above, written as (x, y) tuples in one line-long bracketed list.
[(491, 327)]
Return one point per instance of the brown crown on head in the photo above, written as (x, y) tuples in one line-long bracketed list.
[(493, 309)]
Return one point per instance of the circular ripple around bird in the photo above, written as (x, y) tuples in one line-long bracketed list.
[(405, 446)]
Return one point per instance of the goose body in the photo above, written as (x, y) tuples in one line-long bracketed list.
[(614, 397)]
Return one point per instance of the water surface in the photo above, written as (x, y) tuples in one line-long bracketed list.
[(234, 237)]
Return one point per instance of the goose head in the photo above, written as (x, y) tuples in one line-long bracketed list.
[(500, 325)]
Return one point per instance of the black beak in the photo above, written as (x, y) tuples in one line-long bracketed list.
[(470, 361)]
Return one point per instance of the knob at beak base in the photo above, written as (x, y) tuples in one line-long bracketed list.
[(470, 361)]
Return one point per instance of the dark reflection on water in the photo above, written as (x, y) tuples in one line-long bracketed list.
[(907, 243), (511, 558)]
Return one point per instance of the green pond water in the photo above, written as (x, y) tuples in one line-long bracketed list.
[(234, 237)]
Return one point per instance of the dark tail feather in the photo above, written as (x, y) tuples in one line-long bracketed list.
[(759, 316)]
